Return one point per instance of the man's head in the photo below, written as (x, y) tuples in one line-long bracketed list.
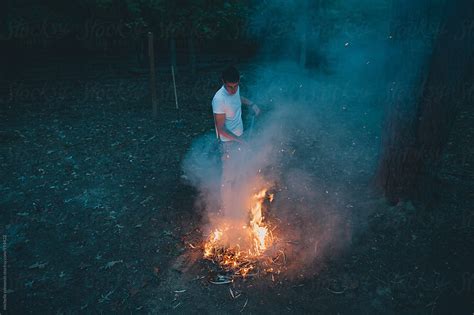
[(231, 79)]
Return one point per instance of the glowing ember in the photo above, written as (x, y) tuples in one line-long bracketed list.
[(241, 254)]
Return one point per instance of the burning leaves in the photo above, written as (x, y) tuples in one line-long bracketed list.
[(241, 248)]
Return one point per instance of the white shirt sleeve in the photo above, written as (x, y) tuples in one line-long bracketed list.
[(218, 106)]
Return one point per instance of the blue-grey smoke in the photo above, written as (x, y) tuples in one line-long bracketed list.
[(326, 77)]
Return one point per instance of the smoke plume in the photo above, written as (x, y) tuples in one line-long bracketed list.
[(323, 88)]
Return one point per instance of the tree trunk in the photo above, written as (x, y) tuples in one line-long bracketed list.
[(192, 55), (173, 52), (416, 137), (303, 29)]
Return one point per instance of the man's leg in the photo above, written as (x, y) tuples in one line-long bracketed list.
[(228, 175)]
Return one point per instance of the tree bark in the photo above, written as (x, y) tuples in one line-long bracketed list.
[(303, 29), (417, 134), (173, 52), (192, 54)]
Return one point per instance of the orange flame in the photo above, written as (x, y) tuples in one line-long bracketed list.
[(259, 238), (260, 231)]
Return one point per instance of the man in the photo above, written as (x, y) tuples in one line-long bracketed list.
[(227, 109)]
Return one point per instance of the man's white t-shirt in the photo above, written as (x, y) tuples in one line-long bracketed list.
[(231, 106)]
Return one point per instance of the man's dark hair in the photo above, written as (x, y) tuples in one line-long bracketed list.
[(231, 74)]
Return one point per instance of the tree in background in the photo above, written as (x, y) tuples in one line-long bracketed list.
[(422, 117), (126, 22)]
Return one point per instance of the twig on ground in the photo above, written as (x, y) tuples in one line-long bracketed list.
[(336, 292), (245, 304)]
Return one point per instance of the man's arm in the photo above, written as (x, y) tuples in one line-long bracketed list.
[(250, 104), (222, 130)]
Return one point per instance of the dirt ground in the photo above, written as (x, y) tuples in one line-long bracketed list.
[(98, 218)]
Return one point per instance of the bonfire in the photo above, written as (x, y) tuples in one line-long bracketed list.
[(243, 249)]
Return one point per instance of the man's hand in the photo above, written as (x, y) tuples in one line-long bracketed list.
[(256, 109), (240, 140), (222, 130), (251, 105)]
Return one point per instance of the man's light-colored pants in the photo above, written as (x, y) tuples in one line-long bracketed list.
[(231, 155)]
